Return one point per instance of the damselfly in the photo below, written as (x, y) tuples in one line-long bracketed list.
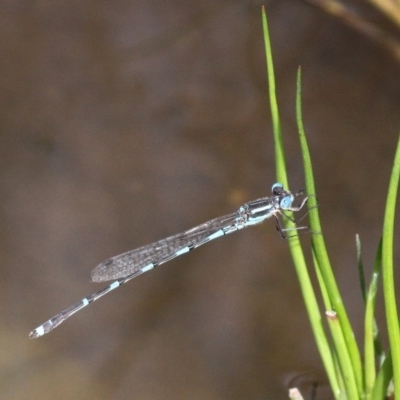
[(127, 266)]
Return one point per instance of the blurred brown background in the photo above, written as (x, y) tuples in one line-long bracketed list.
[(124, 122)]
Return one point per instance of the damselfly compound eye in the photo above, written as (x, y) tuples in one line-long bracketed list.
[(277, 189)]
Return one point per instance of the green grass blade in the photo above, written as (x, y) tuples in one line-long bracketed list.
[(326, 354), (387, 271), (379, 353), (345, 364), (383, 379), (372, 347), (276, 123), (361, 273), (350, 350)]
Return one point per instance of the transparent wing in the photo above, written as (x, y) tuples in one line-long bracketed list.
[(164, 250)]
